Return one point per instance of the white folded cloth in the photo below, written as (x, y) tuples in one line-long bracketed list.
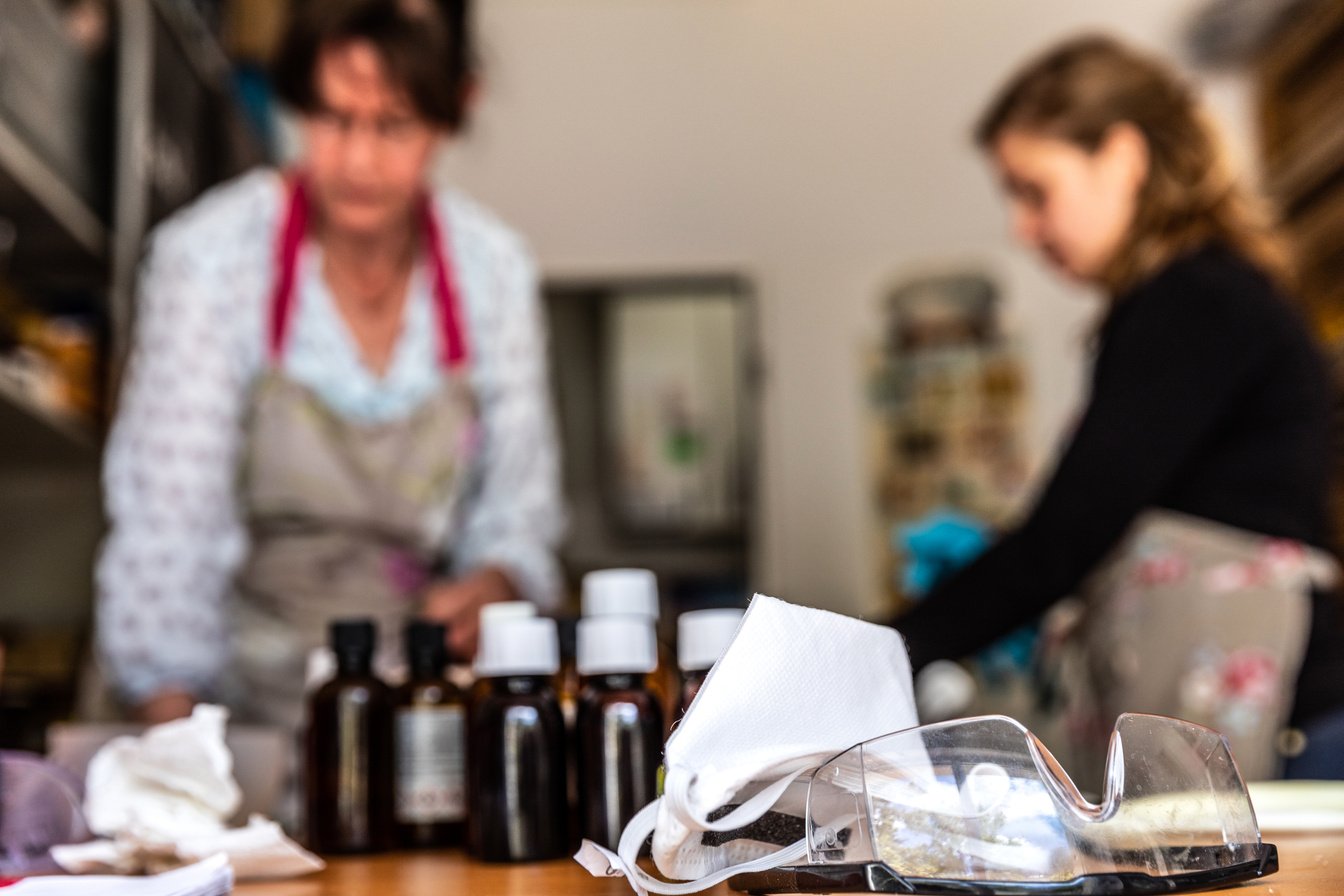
[(209, 877), (258, 851), (162, 800)]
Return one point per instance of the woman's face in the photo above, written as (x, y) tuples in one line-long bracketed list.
[(367, 146), (1072, 205)]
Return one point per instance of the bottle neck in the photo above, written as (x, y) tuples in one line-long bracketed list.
[(427, 667), (616, 681), (520, 684), (354, 662)]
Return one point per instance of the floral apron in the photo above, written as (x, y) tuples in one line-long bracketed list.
[(1201, 621)]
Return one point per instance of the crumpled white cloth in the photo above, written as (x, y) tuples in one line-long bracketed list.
[(175, 780), (163, 800)]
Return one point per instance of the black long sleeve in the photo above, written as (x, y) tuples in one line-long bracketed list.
[(1207, 397)]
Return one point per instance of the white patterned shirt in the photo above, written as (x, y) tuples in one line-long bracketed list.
[(177, 537)]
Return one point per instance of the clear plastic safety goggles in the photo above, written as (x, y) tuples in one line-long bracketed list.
[(979, 806)]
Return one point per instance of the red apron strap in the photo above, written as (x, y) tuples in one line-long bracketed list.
[(453, 344), (287, 255)]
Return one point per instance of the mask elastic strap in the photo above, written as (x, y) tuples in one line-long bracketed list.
[(678, 798), (602, 862)]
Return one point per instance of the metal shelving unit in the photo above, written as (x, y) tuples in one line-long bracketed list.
[(56, 240), (176, 132), (59, 229), (41, 435), (78, 195)]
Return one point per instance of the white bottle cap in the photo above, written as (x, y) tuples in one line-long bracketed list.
[(703, 636), (507, 609), (621, 592), (616, 644), (320, 669), (518, 646), (943, 690)]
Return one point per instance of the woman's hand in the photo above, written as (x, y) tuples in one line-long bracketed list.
[(457, 604), (165, 705)]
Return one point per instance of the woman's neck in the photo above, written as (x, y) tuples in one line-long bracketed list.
[(371, 253), (368, 275), (367, 262)]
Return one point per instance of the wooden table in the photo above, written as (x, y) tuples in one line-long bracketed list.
[(1309, 866)]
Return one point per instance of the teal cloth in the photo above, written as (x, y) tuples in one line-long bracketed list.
[(936, 546)]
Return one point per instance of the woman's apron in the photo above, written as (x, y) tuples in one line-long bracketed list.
[(346, 519), (1197, 620)]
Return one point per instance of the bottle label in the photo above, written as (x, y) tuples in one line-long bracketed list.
[(431, 767)]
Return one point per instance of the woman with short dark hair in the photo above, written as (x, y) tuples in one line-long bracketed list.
[(336, 404)]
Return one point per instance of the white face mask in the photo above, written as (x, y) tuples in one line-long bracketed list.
[(795, 687)]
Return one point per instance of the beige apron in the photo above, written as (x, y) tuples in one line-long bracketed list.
[(346, 519), (1197, 620)]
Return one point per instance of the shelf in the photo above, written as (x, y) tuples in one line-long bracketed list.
[(36, 435), (59, 238), (1313, 159), (1299, 79)]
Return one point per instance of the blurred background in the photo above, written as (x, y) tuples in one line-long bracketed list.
[(787, 318)]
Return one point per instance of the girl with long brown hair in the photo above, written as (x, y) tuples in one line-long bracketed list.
[(1189, 508)]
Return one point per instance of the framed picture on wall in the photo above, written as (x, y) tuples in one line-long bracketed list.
[(654, 380), (673, 401)]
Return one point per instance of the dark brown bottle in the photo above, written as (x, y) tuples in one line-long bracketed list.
[(630, 592), (429, 739), (619, 730), (568, 684), (690, 686), (567, 681), (517, 789), (348, 777)]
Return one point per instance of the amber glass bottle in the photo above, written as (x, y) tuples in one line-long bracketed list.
[(517, 805), (634, 592), (619, 729), (348, 777), (429, 736)]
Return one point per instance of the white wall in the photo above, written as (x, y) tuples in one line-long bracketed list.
[(822, 148)]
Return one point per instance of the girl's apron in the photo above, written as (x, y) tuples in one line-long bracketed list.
[(1201, 621), (346, 519)]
